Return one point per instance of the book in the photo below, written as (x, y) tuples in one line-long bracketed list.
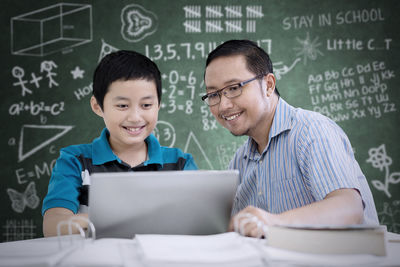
[(349, 239)]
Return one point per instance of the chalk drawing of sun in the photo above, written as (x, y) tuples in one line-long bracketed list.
[(308, 49)]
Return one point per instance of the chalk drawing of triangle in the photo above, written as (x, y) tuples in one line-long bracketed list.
[(23, 155), (191, 137), (106, 49)]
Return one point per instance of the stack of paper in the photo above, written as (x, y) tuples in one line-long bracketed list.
[(227, 249)]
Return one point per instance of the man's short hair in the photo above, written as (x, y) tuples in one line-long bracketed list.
[(257, 60), (124, 65)]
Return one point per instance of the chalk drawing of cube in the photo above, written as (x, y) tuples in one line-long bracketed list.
[(51, 29)]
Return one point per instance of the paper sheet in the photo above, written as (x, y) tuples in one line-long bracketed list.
[(227, 249)]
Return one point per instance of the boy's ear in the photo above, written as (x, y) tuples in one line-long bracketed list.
[(96, 107)]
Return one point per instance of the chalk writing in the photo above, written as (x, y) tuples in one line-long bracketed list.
[(208, 120), (297, 22), (359, 16), (176, 92), (222, 18), (84, 91), (35, 109), (342, 17), (189, 51), (357, 44), (225, 153), (339, 60), (165, 133), (36, 173), (354, 92)]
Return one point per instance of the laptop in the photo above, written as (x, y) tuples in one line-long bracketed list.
[(161, 202)]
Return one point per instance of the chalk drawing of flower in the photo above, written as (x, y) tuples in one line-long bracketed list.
[(380, 160)]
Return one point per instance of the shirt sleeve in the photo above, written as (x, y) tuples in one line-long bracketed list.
[(65, 181), (326, 159)]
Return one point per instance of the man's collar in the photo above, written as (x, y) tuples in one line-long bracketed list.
[(282, 118), (282, 122)]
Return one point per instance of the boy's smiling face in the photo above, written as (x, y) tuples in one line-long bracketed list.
[(130, 112)]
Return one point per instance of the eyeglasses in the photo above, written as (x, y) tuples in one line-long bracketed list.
[(230, 91)]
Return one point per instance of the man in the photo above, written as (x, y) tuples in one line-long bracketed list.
[(297, 166)]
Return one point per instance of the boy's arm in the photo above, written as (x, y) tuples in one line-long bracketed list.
[(53, 216)]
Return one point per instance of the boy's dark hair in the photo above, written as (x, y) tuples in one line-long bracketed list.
[(257, 60), (124, 65)]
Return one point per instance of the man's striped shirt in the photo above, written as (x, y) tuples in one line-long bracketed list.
[(307, 157)]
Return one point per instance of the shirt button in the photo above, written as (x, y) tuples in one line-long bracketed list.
[(259, 193)]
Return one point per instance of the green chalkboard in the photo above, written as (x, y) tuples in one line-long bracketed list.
[(339, 58)]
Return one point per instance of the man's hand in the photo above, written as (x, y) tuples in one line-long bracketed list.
[(340, 207), (249, 220)]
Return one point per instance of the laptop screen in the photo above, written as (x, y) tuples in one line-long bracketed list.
[(165, 202)]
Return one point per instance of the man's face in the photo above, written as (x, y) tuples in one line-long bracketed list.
[(241, 115), (130, 112)]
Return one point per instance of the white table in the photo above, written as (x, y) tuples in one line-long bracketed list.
[(227, 249)]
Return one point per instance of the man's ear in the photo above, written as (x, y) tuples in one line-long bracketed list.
[(270, 82), (96, 107)]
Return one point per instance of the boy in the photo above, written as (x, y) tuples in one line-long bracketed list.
[(127, 95)]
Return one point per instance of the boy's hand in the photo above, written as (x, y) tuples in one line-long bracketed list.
[(54, 216)]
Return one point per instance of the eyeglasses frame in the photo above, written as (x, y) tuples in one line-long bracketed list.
[(240, 84)]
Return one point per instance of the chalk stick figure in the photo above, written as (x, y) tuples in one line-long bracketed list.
[(19, 73), (47, 66)]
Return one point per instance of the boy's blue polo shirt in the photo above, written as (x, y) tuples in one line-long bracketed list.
[(69, 182)]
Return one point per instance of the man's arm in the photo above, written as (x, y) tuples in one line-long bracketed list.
[(55, 215), (340, 207)]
